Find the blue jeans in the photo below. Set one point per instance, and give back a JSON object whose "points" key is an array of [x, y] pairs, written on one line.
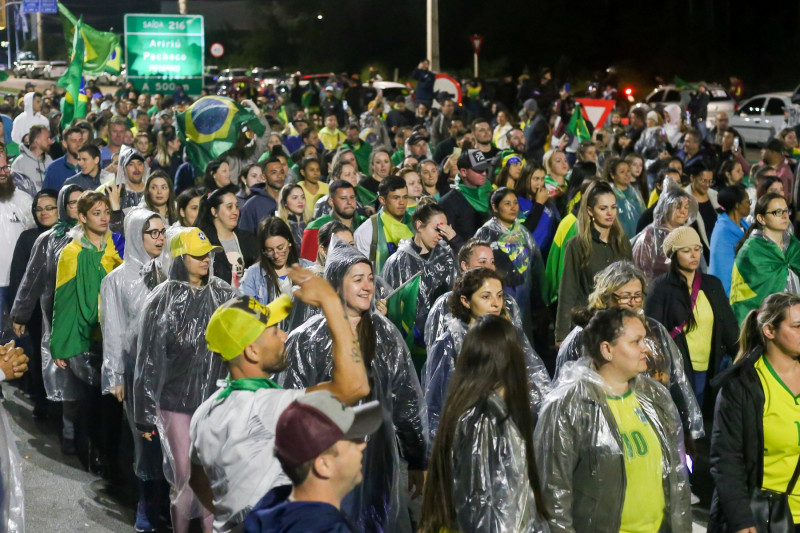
{"points": [[699, 385]]}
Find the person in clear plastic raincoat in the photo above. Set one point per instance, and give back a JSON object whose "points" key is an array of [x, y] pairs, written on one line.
{"points": [[609, 441], [482, 468], [122, 297], [12, 512], [39, 283], [621, 284], [675, 208], [428, 255], [375, 505], [478, 292], [475, 253], [128, 188], [175, 372], [516, 255], [268, 278]]}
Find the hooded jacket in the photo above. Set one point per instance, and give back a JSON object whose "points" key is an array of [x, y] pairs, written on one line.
{"points": [[26, 120], [128, 199], [122, 296], [31, 166], [258, 206], [174, 369], [38, 284], [581, 456], [374, 504]]}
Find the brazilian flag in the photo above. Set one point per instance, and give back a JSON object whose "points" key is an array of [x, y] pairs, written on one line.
{"points": [[102, 48], [567, 229], [365, 196], [577, 125], [212, 125], [760, 269], [402, 312], [73, 105]]}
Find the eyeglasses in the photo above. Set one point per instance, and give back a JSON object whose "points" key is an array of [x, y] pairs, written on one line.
{"points": [[72, 203], [155, 233], [705, 182], [778, 212], [5, 169], [48, 209], [628, 298]]}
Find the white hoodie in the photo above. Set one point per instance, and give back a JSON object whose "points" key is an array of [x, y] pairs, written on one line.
{"points": [[31, 166], [27, 119]]}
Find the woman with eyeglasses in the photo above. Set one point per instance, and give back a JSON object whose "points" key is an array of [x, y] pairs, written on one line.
{"points": [[122, 297], [45, 214], [768, 258], [621, 284], [694, 308], [268, 278]]}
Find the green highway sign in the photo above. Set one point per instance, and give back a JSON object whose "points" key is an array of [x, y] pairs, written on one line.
{"points": [[162, 51]]}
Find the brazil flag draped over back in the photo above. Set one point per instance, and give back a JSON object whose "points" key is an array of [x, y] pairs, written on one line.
{"points": [[102, 48], [211, 126], [761, 269], [402, 311], [73, 105]]}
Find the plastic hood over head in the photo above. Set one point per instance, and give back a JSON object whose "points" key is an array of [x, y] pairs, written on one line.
{"points": [[671, 197], [126, 153], [341, 257], [63, 198], [135, 222]]}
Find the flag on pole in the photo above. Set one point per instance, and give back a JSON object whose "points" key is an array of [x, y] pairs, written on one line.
{"points": [[212, 125], [73, 105], [102, 48], [401, 308], [577, 124]]}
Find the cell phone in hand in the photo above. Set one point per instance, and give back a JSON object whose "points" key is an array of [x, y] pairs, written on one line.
{"points": [[736, 144]]}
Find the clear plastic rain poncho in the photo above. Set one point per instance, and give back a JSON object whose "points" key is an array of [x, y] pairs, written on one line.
{"points": [[375, 504], [580, 453], [648, 254], [664, 364], [122, 297], [492, 495], [12, 512], [128, 199], [441, 363], [439, 273], [39, 283], [520, 261], [174, 370]]}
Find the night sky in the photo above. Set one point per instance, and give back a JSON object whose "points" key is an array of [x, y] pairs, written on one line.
{"points": [[694, 39]]}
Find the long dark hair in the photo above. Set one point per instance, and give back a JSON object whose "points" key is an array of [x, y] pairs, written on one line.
{"points": [[523, 185], [274, 227], [582, 171], [761, 209], [466, 286], [491, 358], [208, 178], [205, 218], [185, 198], [617, 239], [172, 211], [641, 180]]}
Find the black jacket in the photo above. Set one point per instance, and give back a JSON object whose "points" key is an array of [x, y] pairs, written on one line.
{"points": [[737, 444], [247, 243], [668, 301], [462, 216]]}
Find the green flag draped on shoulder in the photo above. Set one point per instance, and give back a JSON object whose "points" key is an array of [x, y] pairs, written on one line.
{"points": [[567, 229], [73, 105], [402, 311], [102, 48], [212, 125], [760, 269], [577, 125]]}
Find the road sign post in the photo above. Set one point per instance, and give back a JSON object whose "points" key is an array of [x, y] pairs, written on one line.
{"points": [[163, 51]]}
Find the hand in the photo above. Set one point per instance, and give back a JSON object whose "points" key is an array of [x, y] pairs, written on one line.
{"points": [[447, 232], [62, 364], [113, 191], [119, 392], [148, 436], [13, 361], [416, 482], [380, 305], [624, 141], [313, 290], [19, 329], [369, 210], [542, 195], [421, 64]]}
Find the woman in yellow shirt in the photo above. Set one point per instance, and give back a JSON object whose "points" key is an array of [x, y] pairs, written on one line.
{"points": [[755, 444]]}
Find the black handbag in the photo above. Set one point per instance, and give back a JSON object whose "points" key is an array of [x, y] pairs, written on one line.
{"points": [[771, 509]]}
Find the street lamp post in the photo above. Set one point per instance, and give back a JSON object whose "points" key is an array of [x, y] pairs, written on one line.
{"points": [[432, 27]]}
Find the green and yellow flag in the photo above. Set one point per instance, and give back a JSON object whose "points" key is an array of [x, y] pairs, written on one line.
{"points": [[402, 311], [567, 229], [73, 105], [760, 269], [577, 125], [102, 49]]}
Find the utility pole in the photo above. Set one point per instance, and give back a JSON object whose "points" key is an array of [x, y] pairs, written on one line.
{"points": [[433, 33], [40, 35], [182, 7]]}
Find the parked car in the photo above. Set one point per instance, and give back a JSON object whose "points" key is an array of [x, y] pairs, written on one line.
{"points": [[245, 86], [231, 73], [665, 95], [760, 117], [55, 70], [391, 90], [36, 69]]}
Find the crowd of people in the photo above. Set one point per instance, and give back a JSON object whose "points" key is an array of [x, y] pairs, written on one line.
{"points": [[419, 315]]}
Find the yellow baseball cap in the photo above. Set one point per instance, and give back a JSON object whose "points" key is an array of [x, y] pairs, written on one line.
{"points": [[191, 241], [240, 321]]}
